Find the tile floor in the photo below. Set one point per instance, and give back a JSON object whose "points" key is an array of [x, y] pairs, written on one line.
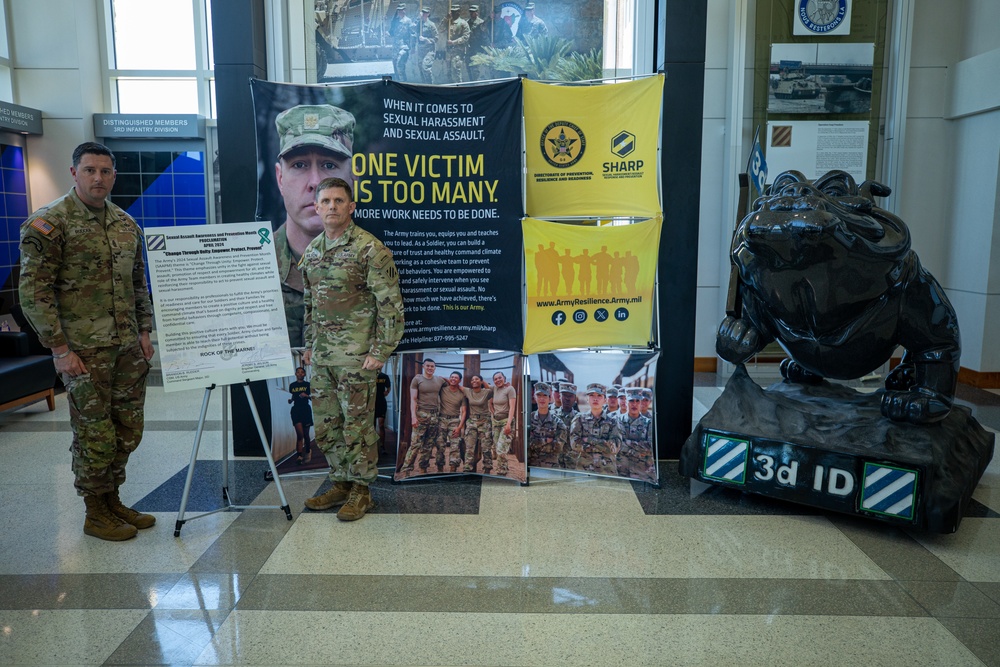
{"points": [[569, 570]]}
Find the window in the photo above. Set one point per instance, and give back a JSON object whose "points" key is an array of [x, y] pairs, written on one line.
{"points": [[160, 56]]}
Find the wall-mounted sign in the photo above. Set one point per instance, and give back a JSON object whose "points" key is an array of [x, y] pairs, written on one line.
{"points": [[20, 119], [149, 126]]}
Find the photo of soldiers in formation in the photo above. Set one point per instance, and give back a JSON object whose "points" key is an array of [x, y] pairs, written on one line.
{"points": [[603, 429], [461, 421], [442, 37], [584, 274]]}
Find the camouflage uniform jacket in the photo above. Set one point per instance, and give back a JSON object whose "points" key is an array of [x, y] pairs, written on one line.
{"points": [[478, 35], [291, 286], [353, 306], [459, 32], [402, 30], [427, 37], [83, 283], [589, 435], [548, 441]]}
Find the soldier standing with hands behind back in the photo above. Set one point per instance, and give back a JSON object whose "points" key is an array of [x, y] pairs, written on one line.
{"points": [[354, 320], [83, 289]]}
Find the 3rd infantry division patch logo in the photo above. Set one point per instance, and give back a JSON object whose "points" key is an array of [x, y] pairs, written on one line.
{"points": [[563, 144]]}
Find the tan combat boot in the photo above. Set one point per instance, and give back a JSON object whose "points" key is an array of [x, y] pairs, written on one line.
{"points": [[359, 502], [127, 514], [101, 523], [335, 495]]}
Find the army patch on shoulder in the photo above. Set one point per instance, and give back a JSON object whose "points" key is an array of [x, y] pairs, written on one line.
{"points": [[41, 225], [382, 262]]}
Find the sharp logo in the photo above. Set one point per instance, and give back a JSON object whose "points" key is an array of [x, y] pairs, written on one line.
{"points": [[623, 144]]}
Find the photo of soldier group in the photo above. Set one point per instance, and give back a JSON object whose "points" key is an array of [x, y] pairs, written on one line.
{"points": [[441, 41], [461, 413], [592, 412]]}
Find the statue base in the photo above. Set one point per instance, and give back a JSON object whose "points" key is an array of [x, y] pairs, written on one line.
{"points": [[828, 446]]}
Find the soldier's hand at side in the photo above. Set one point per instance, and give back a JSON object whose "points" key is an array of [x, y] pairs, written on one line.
{"points": [[146, 345], [71, 365], [371, 363], [307, 358]]}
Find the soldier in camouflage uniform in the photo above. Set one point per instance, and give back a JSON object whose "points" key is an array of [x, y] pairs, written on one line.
{"points": [[647, 400], [622, 402], [531, 25], [548, 437], [427, 36], [353, 322], [479, 427], [451, 423], [567, 410], [479, 37], [403, 30], [316, 142], [458, 45], [83, 289], [503, 405], [594, 438], [425, 408], [611, 408], [635, 460]]}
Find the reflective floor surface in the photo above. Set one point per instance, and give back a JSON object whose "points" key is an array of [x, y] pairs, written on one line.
{"points": [[568, 570]]}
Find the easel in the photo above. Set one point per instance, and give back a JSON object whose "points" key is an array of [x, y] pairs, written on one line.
{"points": [[225, 461]]}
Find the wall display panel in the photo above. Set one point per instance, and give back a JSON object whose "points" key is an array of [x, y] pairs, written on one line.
{"points": [[592, 150], [589, 286], [603, 402], [13, 211], [365, 39], [842, 100], [436, 177], [461, 413]]}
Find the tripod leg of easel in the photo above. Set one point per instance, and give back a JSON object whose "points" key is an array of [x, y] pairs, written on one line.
{"points": [[267, 451], [194, 458], [225, 443]]}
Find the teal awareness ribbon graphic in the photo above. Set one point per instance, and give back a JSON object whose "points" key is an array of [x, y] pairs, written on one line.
{"points": [[264, 233]]}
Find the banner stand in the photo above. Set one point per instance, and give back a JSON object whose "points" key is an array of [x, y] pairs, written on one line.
{"points": [[225, 462]]}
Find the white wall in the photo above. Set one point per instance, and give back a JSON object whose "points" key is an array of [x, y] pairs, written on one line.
{"points": [[57, 69], [951, 164]]}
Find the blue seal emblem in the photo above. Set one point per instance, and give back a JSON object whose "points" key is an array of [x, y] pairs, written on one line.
{"points": [[822, 16]]}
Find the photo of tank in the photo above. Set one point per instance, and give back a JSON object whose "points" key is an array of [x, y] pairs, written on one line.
{"points": [[820, 78]]}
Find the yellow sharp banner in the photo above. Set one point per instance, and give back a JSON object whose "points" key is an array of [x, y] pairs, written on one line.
{"points": [[589, 286], [591, 150]]}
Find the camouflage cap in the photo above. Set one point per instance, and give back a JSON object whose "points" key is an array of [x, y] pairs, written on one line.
{"points": [[320, 125], [647, 393], [567, 388], [596, 388], [455, 8], [529, 7], [401, 5], [473, 8], [543, 388], [425, 10], [634, 393], [612, 392]]}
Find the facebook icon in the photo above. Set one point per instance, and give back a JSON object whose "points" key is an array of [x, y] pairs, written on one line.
{"points": [[558, 318]]}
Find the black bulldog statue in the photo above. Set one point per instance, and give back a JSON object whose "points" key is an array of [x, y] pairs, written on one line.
{"points": [[831, 276]]}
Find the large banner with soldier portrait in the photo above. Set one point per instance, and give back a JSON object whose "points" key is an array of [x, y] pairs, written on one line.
{"points": [[437, 178], [593, 412]]}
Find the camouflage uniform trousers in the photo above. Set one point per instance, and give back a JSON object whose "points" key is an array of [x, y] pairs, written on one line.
{"points": [[478, 429], [423, 438], [635, 461], [106, 413], [343, 401], [597, 457], [456, 61], [427, 67], [501, 444], [449, 445], [399, 62]]}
